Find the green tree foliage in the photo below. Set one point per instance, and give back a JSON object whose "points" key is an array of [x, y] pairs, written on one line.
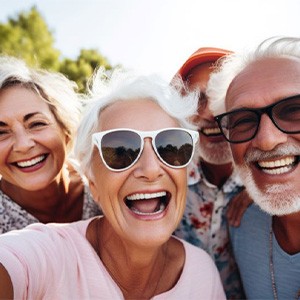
{"points": [[27, 36], [81, 69]]}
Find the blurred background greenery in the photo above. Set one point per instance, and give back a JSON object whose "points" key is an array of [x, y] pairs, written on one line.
{"points": [[27, 36]]}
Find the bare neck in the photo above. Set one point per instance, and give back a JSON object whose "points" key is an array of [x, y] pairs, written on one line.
{"points": [[52, 203], [139, 272], [287, 231], [216, 174]]}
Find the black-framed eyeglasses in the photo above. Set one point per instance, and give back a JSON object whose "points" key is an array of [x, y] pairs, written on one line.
{"points": [[121, 148], [242, 125]]}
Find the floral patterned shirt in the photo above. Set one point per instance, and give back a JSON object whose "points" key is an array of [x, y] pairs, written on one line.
{"points": [[13, 216], [204, 224]]}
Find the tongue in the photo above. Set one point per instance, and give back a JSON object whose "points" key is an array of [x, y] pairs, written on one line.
{"points": [[145, 206]]}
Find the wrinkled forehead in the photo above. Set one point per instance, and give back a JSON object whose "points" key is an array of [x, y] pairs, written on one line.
{"points": [[264, 82]]}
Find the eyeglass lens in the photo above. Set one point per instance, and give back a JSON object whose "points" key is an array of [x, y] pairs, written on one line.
{"points": [[287, 115], [120, 149], [175, 147], [243, 125]]}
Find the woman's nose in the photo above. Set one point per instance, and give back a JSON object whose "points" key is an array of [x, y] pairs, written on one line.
{"points": [[23, 141], [148, 166]]}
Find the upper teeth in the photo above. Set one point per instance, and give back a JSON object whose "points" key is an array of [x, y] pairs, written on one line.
{"points": [[208, 131], [146, 196], [278, 166], [277, 163], [31, 162]]}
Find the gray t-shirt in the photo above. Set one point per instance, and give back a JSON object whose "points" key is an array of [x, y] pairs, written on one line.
{"points": [[251, 245]]}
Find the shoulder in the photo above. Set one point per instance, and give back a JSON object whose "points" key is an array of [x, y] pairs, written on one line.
{"points": [[253, 212], [42, 255], [254, 228], [195, 256], [37, 235], [38, 243], [199, 276], [77, 228]]}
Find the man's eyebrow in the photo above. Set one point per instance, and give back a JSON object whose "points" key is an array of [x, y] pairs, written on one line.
{"points": [[2, 124]]}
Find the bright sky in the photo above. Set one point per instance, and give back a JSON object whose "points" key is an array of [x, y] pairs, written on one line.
{"points": [[159, 35]]}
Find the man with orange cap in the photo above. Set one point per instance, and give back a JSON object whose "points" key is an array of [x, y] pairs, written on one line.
{"points": [[212, 182]]}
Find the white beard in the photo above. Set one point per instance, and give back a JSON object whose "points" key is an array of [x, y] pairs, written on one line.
{"points": [[215, 153], [276, 199]]}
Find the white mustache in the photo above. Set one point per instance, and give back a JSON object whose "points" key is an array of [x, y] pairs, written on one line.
{"points": [[253, 155], [204, 123]]}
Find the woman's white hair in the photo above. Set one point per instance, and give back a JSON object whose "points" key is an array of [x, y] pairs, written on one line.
{"points": [[126, 86], [230, 66], [54, 88]]}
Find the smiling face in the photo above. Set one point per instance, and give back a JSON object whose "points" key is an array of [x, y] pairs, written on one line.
{"points": [[213, 146], [269, 163], [32, 145], [143, 222]]}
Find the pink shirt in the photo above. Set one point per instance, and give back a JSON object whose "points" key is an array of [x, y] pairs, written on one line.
{"points": [[56, 261]]}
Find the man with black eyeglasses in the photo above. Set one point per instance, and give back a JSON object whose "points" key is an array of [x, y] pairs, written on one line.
{"points": [[256, 100]]}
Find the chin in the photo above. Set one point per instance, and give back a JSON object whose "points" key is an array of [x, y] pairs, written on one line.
{"points": [[215, 156], [275, 199]]}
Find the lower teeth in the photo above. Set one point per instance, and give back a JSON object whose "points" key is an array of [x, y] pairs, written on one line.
{"points": [[161, 209]]}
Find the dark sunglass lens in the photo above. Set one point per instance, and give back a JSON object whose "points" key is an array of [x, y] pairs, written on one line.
{"points": [[240, 126], [175, 147], [120, 148], [286, 115]]}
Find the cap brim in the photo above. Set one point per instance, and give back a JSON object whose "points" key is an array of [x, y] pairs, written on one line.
{"points": [[201, 56]]}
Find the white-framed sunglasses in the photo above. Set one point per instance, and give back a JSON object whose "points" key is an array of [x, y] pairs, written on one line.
{"points": [[121, 148]]}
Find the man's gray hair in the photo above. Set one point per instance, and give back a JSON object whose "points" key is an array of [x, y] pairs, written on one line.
{"points": [[230, 66]]}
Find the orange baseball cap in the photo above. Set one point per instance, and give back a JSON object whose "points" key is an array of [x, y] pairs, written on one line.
{"points": [[202, 55]]}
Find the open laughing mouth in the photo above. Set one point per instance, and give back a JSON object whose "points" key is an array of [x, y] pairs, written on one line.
{"points": [[148, 204], [278, 166]]}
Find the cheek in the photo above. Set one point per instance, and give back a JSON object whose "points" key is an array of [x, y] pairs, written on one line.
{"points": [[100, 190], [97, 178], [238, 153], [180, 179], [105, 183], [55, 140], [5, 148], [181, 187]]}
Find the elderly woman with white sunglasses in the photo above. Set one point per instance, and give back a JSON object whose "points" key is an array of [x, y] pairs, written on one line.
{"points": [[134, 151]]}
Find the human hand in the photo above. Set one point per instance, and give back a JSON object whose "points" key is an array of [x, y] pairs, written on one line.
{"points": [[237, 207]]}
